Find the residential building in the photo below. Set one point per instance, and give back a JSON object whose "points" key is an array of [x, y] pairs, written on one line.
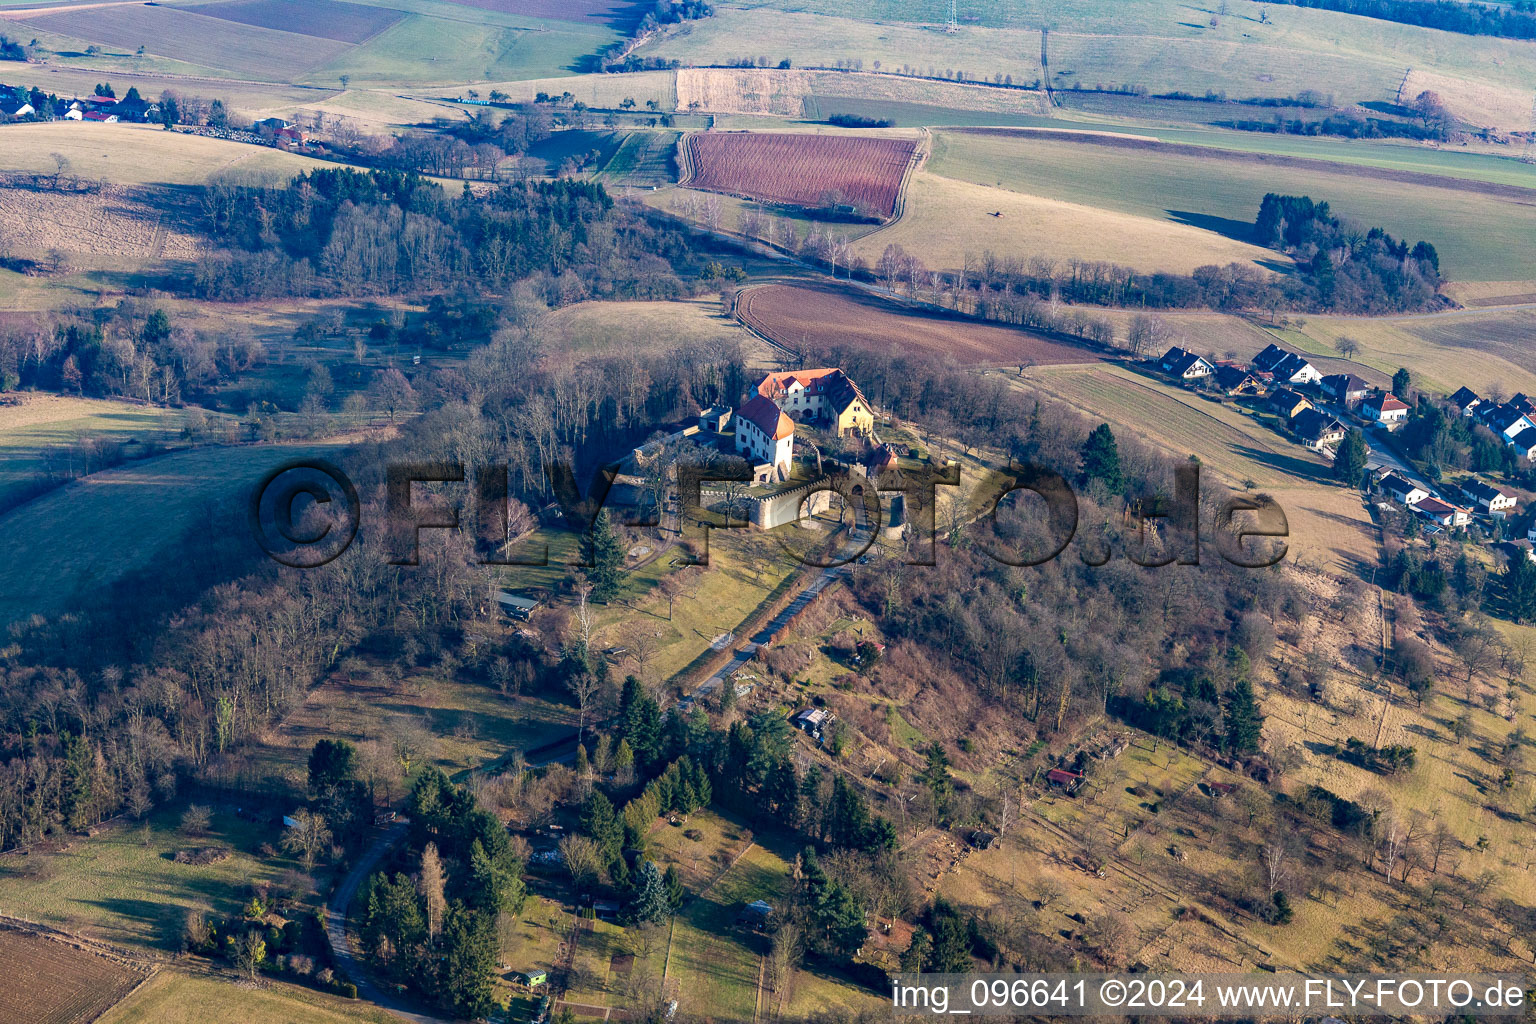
{"points": [[1344, 388], [1234, 380], [74, 114], [1505, 420], [812, 720], [1525, 443], [1403, 490], [768, 436], [18, 111], [1447, 515], [1288, 367], [1487, 498], [1466, 400], [101, 117], [1317, 429], [827, 396], [1385, 408], [1289, 403], [1185, 365]]}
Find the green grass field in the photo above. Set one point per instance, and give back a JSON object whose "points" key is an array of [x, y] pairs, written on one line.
{"points": [[36, 433], [89, 532], [1479, 236], [117, 888], [171, 997], [1160, 44]]}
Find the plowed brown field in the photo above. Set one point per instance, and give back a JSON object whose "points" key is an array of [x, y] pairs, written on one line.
{"points": [[792, 315], [802, 170], [48, 982]]}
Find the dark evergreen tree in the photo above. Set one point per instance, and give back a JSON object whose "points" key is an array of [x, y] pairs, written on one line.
{"points": [[936, 775], [1101, 458], [466, 962], [1244, 720], [1402, 380], [673, 880], [640, 723], [1349, 461], [604, 555], [649, 900], [601, 824], [951, 949], [1520, 588]]}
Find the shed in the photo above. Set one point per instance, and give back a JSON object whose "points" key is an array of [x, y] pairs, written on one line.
{"points": [[531, 978], [755, 915], [517, 605], [1063, 779]]}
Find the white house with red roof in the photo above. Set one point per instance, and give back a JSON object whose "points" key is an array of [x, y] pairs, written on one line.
{"points": [[1384, 407], [827, 394], [767, 437]]}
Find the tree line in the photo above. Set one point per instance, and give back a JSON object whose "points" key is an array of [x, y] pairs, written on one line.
{"points": [[1510, 21]]}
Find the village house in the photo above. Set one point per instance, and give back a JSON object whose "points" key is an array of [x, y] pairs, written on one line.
{"points": [[1505, 420], [812, 721], [1185, 365], [1288, 403], [1525, 443], [74, 114], [15, 111], [1487, 498], [1402, 489], [288, 138], [1288, 367], [1385, 408], [1466, 400], [1317, 429], [1234, 380], [1447, 515], [1344, 388], [768, 437], [100, 117], [826, 396]]}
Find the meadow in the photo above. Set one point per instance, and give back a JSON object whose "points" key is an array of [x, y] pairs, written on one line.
{"points": [[1166, 45], [327, 19], [35, 428], [944, 220], [128, 154], [174, 997], [88, 533], [122, 885], [224, 49], [586, 330], [1478, 234]]}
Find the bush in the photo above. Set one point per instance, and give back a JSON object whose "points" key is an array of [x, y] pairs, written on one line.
{"points": [[348, 990]]}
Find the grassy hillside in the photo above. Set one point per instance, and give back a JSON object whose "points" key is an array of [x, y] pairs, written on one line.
{"points": [[1480, 236], [171, 997], [1163, 45], [139, 154]]}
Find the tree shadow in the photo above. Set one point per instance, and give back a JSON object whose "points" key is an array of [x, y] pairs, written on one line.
{"points": [[1239, 230]]}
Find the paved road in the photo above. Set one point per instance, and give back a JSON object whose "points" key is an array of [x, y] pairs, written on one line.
{"points": [[343, 950], [744, 654]]}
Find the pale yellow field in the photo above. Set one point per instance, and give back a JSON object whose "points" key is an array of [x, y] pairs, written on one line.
{"points": [[596, 329], [946, 219], [1477, 349], [786, 92], [171, 997], [593, 90], [378, 110], [139, 154]]}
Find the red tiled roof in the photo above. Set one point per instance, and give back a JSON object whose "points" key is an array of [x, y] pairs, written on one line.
{"points": [[776, 383], [1062, 775], [765, 416]]}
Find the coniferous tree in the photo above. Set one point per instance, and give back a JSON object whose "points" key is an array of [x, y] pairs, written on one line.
{"points": [[601, 824], [467, 962], [1402, 380], [1349, 461], [649, 900], [604, 554], [1520, 588], [673, 880], [1245, 722], [1101, 458]]}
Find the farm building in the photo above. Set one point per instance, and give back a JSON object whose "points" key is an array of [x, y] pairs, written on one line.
{"points": [[768, 436], [1403, 490], [517, 605], [1487, 498], [1065, 780], [272, 124], [1184, 365], [1344, 388], [826, 396], [1384, 408], [1288, 403]]}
